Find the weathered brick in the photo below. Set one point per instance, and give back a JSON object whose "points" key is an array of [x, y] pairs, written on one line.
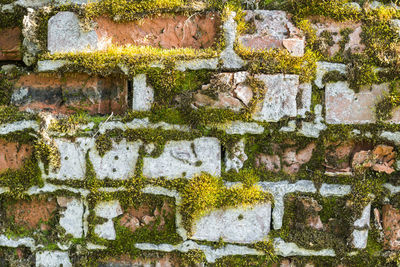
{"points": [[32, 214], [344, 106], [391, 227], [49, 92], [332, 34], [13, 155], [272, 29], [10, 44], [165, 31], [197, 31]]}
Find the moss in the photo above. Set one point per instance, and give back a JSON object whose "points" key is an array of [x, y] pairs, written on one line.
{"points": [[13, 18], [69, 124], [103, 144], [336, 9], [10, 114], [20, 180], [280, 61]]}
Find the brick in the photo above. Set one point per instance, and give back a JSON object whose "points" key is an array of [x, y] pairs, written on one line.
{"points": [[329, 32], [179, 31], [49, 92], [10, 44], [344, 106], [32, 214], [197, 31], [13, 155], [272, 29], [391, 227], [149, 216]]}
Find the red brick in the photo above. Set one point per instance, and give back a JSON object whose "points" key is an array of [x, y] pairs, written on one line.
{"points": [[166, 31], [56, 94], [13, 155], [10, 44]]}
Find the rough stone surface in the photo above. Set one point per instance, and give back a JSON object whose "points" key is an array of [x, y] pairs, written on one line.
{"points": [[305, 91], [52, 259], [197, 31], [324, 67], [66, 35], [331, 34], [272, 29], [143, 94], [72, 156], [51, 65], [72, 217], [291, 249], [344, 106], [185, 159], [391, 227], [338, 157], [237, 156], [229, 58], [13, 155], [239, 225], [239, 127], [107, 210], [119, 162], [10, 43], [229, 90], [280, 97]]}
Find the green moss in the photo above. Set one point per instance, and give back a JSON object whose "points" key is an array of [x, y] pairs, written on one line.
{"points": [[103, 144], [20, 180], [336, 9], [10, 114], [13, 18]]}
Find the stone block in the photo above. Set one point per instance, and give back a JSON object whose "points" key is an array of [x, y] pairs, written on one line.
{"points": [[165, 31], [280, 97], [344, 106], [332, 33], [71, 218], [143, 94], [272, 29], [72, 159], [52, 259], [65, 34], [107, 210], [185, 159], [119, 163], [237, 225], [10, 44], [49, 92]]}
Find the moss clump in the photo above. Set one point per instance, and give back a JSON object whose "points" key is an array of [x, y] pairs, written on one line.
{"points": [[20, 180], [69, 124], [13, 18], [10, 114], [336, 9], [125, 10], [103, 144], [384, 108], [205, 192], [280, 61]]}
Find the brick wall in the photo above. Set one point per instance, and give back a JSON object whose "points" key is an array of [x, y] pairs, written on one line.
{"points": [[199, 133]]}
